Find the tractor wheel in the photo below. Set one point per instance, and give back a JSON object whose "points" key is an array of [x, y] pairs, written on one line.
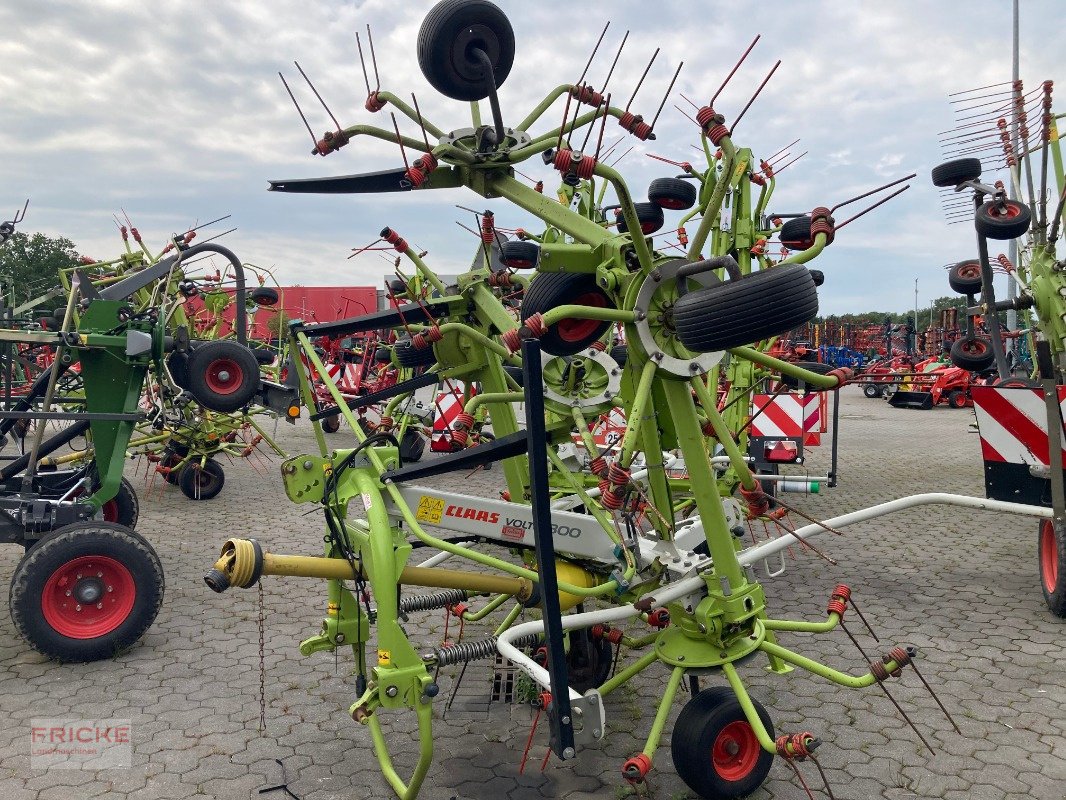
{"points": [[332, 424], [957, 398], [674, 194], [412, 446], [588, 662], [122, 509], [202, 483], [746, 310], [552, 289], [795, 234], [1002, 225], [520, 255], [965, 277], [1051, 552], [264, 296], [715, 749], [973, 354], [871, 390], [649, 215], [952, 173], [86, 591], [223, 376], [408, 356], [450, 32]]}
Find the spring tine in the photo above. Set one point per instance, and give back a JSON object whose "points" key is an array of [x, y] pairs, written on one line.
{"points": [[757, 91], [399, 140], [1054, 233], [212, 222], [934, 696], [626, 153], [373, 59], [733, 71], [864, 622], [803, 783], [566, 116], [980, 88], [362, 62], [782, 152], [875, 205], [688, 101], [979, 97], [21, 215], [298, 109], [313, 89], [689, 118], [782, 168], [603, 127], [421, 124], [642, 77], [465, 228], [611, 147], [570, 132], [588, 64], [665, 96], [617, 55], [218, 236], [872, 191]]}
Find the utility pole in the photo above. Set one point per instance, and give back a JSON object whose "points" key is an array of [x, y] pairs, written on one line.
{"points": [[1012, 284], [915, 316]]}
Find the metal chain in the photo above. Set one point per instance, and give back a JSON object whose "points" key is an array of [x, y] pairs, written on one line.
{"points": [[262, 665]]}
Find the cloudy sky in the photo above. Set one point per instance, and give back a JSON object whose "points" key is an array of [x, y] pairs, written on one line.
{"points": [[173, 111]]}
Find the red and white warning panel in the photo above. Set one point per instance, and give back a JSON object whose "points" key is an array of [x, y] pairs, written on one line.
{"points": [[446, 409], [1014, 442], [787, 416]]}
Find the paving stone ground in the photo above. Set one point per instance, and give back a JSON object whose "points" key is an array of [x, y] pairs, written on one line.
{"points": [[959, 585]]}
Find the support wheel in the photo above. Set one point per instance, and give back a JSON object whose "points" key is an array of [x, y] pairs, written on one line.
{"points": [[202, 483], [795, 234], [409, 356], [1002, 224], [952, 173], [672, 193], [649, 215], [973, 354], [715, 749], [86, 591], [122, 509], [746, 310], [552, 289], [332, 424], [1051, 552], [588, 662], [450, 33], [412, 446], [223, 376], [965, 277]]}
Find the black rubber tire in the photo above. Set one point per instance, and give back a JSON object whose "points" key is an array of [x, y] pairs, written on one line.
{"points": [[620, 354], [1051, 562], [332, 424], [872, 390], [264, 296], [649, 215], [811, 366], [122, 509], [82, 540], [397, 286], [818, 276], [551, 289], [178, 364], [449, 31], [223, 376], [749, 309], [991, 224], [965, 277], [795, 234], [588, 661], [952, 173], [1016, 383], [520, 255], [696, 754], [412, 446], [408, 356], [974, 354], [383, 355], [202, 483], [264, 356], [674, 194], [957, 398]]}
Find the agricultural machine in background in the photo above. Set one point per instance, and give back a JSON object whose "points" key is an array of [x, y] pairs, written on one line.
{"points": [[639, 544], [1020, 418]]}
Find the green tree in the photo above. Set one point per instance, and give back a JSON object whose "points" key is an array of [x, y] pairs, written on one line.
{"points": [[30, 264], [278, 325]]}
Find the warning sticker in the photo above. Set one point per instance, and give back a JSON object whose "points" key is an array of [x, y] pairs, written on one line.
{"points": [[384, 657], [430, 509]]}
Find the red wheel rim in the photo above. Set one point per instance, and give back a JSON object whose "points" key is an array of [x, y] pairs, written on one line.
{"points": [[670, 203], [735, 751], [1049, 556], [970, 270], [974, 347], [88, 597], [224, 376], [109, 510], [1009, 212], [575, 329]]}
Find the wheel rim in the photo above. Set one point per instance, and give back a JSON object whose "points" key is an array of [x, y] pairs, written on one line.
{"points": [[670, 203], [575, 329], [735, 751], [205, 480], [974, 347], [109, 510], [1010, 211], [224, 376], [971, 270], [1049, 556], [88, 597]]}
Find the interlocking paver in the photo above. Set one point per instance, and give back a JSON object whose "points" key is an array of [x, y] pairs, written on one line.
{"points": [[960, 585]]}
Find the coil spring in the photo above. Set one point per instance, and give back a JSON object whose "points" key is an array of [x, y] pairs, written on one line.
{"points": [[796, 746], [599, 466], [585, 94], [635, 125], [535, 325], [707, 116], [429, 602], [902, 658], [475, 650], [420, 169], [682, 236], [393, 238], [568, 161], [512, 340], [488, 229], [373, 103]]}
